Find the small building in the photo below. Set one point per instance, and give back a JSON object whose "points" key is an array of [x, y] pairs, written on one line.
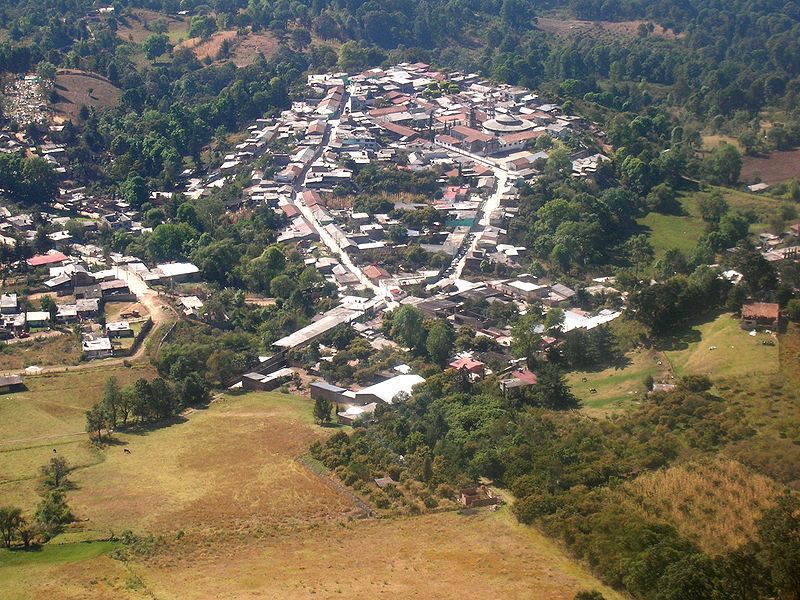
{"points": [[265, 383], [9, 304], [118, 329], [468, 364], [39, 318], [96, 346], [353, 413], [518, 378], [11, 383], [473, 497], [327, 391], [760, 314]]}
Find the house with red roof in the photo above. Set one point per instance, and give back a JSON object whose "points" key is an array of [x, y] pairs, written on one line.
{"points": [[51, 258], [469, 364]]}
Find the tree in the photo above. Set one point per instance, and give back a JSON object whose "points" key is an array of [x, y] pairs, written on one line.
{"points": [[55, 472], [527, 336], [282, 286], [407, 327], [134, 191], [551, 389], [111, 401], [724, 165], [779, 531], [590, 595], [11, 520], [322, 410], [439, 343], [53, 513], [96, 420], [713, 207], [155, 45], [793, 310]]}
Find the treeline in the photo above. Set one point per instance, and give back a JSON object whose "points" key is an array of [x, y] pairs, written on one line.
{"points": [[51, 514], [144, 401]]}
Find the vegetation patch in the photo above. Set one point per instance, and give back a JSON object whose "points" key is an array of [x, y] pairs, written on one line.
{"points": [[75, 89]]}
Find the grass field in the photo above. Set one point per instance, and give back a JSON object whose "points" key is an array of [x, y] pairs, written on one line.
{"points": [[237, 515], [715, 503], [569, 27], [79, 88], [683, 231], [50, 415], [616, 387], [719, 348], [138, 24], [671, 231], [209, 48]]}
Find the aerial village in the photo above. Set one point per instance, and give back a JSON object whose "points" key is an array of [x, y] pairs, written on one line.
{"points": [[481, 142]]}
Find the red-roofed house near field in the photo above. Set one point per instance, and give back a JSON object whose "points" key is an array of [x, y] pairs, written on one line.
{"points": [[51, 258], [760, 314], [469, 364]]}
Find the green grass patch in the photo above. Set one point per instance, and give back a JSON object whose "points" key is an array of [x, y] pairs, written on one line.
{"points": [[616, 386], [671, 231], [720, 348], [50, 554]]}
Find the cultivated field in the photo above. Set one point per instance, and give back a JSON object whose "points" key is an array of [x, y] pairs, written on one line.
{"points": [[566, 27], [136, 26], [720, 348], [778, 166], [80, 88], [237, 515], [715, 503]]}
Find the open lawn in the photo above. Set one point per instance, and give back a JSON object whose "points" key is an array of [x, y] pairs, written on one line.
{"points": [[237, 515], [763, 207], [79, 88], [672, 231], [50, 415], [720, 348], [570, 27], [617, 386], [209, 48]]}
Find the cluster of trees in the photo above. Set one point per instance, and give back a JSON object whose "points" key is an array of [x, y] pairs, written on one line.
{"points": [[28, 181], [51, 514], [434, 338], [144, 400], [563, 468]]}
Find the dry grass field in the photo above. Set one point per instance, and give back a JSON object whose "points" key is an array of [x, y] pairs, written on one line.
{"points": [[253, 44], [138, 24], [209, 48], [80, 88], [778, 166], [715, 503], [63, 349], [568, 27], [237, 515]]}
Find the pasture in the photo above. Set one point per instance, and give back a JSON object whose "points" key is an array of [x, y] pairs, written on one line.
{"points": [[52, 349], [137, 24], [616, 386], [570, 27], [50, 415], [719, 348], [672, 231]]}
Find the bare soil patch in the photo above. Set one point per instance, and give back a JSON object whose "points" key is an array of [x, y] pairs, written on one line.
{"points": [[253, 44], [777, 167], [81, 88]]}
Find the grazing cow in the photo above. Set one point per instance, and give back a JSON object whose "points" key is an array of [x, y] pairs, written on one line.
{"points": [[126, 451], [55, 451], [593, 391]]}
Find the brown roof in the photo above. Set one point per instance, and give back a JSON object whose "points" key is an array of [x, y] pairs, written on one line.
{"points": [[400, 130], [521, 136], [389, 110], [471, 135], [376, 272], [761, 310]]}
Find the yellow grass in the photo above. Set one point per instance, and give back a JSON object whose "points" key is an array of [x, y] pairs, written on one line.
{"points": [[715, 503], [238, 515], [64, 349]]}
